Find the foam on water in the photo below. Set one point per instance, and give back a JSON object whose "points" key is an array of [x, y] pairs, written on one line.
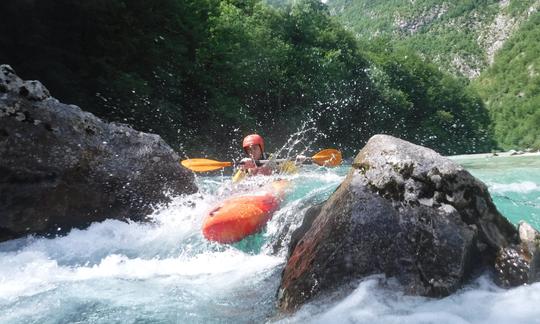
{"points": [[521, 187], [514, 183], [165, 271], [380, 300], [33, 272], [117, 266]]}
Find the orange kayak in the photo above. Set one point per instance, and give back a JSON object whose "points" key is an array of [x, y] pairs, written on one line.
{"points": [[238, 217]]}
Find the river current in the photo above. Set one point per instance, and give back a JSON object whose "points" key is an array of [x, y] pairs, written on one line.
{"points": [[166, 272]]}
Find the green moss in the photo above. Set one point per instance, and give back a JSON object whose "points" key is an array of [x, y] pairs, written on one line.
{"points": [[361, 167]]}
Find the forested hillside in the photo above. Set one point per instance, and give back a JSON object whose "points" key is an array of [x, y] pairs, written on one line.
{"points": [[204, 73], [512, 88], [494, 43], [460, 36]]}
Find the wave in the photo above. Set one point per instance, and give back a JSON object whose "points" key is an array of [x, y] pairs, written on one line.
{"points": [[380, 300], [520, 187]]}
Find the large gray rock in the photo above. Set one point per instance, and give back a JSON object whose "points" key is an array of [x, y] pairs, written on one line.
{"points": [[61, 167], [405, 211]]}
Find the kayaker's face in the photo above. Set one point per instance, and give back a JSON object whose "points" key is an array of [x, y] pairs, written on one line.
{"points": [[254, 152]]}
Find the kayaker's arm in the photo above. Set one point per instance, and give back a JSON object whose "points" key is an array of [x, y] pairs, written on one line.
{"points": [[263, 162], [302, 159], [255, 166]]}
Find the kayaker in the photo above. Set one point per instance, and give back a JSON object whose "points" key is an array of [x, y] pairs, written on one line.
{"points": [[253, 145]]}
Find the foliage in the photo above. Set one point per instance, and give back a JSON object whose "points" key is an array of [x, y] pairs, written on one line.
{"points": [[453, 35], [511, 88], [204, 73], [422, 97], [449, 33]]}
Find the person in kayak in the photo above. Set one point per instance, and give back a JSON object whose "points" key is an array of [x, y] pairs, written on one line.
{"points": [[253, 145]]}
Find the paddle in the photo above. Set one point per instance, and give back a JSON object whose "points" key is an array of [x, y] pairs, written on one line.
{"points": [[203, 165], [328, 157]]}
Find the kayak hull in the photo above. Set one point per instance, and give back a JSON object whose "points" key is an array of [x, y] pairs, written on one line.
{"points": [[238, 217]]}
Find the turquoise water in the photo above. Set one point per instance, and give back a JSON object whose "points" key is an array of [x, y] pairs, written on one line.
{"points": [[514, 184], [166, 272]]}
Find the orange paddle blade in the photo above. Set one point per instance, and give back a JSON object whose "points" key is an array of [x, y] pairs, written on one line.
{"points": [[328, 157], [203, 165]]}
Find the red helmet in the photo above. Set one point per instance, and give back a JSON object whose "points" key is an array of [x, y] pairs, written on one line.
{"points": [[253, 139]]}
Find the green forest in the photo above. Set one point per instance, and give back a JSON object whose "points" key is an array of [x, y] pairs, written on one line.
{"points": [[453, 34], [512, 89], [205, 73], [459, 37]]}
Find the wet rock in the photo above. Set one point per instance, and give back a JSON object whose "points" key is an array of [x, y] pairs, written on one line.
{"points": [[9, 81], [405, 211], [34, 90], [519, 264], [512, 266], [530, 241], [61, 167]]}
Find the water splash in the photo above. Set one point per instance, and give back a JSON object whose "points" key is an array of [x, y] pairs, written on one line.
{"points": [[165, 271], [380, 300], [520, 187]]}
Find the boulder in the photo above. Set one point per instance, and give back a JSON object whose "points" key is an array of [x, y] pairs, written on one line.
{"points": [[519, 264], [61, 167], [405, 211]]}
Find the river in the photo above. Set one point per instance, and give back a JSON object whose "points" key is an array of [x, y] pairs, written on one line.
{"points": [[166, 272]]}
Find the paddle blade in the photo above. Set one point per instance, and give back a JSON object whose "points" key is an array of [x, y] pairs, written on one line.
{"points": [[328, 157], [203, 165]]}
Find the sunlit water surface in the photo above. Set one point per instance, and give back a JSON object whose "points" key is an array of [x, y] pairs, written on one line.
{"points": [[166, 272]]}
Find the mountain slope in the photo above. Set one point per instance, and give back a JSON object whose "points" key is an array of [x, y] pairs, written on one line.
{"points": [[511, 88], [493, 43], [461, 36]]}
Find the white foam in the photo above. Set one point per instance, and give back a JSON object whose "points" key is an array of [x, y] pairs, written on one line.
{"points": [[323, 174], [520, 187], [136, 264], [171, 226], [170, 245], [30, 273], [481, 302]]}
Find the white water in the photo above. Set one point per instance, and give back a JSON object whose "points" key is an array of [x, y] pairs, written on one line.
{"points": [[520, 187], [378, 300], [115, 272]]}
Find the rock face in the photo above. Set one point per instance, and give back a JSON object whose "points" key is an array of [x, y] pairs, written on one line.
{"points": [[520, 263], [61, 167], [405, 211]]}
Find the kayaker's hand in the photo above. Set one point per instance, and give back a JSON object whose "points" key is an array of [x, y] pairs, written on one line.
{"points": [[301, 159], [247, 163]]}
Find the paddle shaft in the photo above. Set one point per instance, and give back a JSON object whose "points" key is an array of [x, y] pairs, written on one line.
{"points": [[259, 163], [326, 157]]}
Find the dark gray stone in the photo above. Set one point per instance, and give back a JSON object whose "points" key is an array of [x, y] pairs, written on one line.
{"points": [[405, 211], [61, 167], [519, 264]]}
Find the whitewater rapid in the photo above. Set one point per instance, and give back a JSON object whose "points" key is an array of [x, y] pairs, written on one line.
{"points": [[164, 271]]}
